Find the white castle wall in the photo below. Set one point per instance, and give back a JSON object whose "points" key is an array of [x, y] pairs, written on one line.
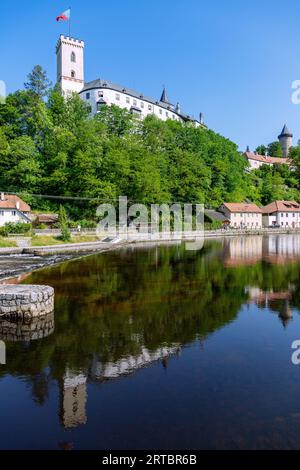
{"points": [[65, 47]]}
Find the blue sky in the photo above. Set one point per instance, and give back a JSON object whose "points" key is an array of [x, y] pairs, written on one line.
{"points": [[233, 60]]}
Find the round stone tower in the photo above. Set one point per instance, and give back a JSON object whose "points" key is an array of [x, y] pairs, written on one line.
{"points": [[286, 141]]}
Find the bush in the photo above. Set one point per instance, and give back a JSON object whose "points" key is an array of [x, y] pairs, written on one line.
{"points": [[11, 228]]}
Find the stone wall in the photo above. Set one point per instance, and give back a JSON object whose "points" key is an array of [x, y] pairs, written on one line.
{"points": [[25, 301]]}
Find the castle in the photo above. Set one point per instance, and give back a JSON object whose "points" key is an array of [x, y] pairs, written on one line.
{"points": [[286, 141], [100, 92]]}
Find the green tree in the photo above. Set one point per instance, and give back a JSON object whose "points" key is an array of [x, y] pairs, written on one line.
{"points": [[63, 224], [38, 82], [275, 150]]}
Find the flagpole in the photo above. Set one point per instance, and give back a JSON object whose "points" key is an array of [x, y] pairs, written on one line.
{"points": [[70, 23]]}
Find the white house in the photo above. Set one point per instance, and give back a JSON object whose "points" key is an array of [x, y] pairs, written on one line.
{"points": [[255, 160], [242, 215], [13, 209], [282, 213], [100, 92]]}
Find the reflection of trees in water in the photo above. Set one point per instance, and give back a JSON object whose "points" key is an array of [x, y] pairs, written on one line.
{"points": [[115, 304]]}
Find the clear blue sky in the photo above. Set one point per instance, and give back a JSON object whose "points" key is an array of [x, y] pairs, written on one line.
{"points": [[233, 60]]}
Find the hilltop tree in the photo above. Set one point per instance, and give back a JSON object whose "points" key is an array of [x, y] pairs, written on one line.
{"points": [[38, 82], [275, 150]]}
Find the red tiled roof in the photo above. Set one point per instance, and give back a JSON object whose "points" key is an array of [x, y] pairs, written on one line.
{"points": [[47, 218], [281, 206], [268, 160], [241, 207], [10, 202]]}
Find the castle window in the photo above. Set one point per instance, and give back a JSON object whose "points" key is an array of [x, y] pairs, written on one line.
{"points": [[149, 107], [142, 104], [100, 94], [134, 103], [160, 111], [117, 96], [73, 57], [167, 114], [127, 99], [73, 74], [88, 95]]}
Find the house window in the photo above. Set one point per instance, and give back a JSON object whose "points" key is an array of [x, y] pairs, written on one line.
{"points": [[88, 95], [281, 214], [167, 114], [160, 111], [142, 104], [117, 96], [127, 100], [13, 213], [73, 57], [134, 103], [149, 107], [73, 74], [1, 213], [294, 215]]}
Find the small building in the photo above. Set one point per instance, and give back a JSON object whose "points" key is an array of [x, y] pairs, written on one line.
{"points": [[256, 161], [13, 210], [49, 220], [281, 213], [211, 216], [242, 215]]}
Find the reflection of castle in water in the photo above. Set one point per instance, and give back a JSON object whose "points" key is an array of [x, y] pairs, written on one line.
{"points": [[273, 249], [73, 388], [128, 365], [31, 330], [279, 302], [73, 399]]}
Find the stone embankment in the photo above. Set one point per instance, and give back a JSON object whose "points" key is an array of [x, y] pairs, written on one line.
{"points": [[25, 301]]}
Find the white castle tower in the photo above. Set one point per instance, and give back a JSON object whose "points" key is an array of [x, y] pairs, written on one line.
{"points": [[70, 65]]}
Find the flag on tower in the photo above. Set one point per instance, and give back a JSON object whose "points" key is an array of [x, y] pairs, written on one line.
{"points": [[65, 16]]}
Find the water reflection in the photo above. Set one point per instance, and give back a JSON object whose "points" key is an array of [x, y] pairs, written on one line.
{"points": [[118, 313], [14, 329], [73, 399], [273, 249]]}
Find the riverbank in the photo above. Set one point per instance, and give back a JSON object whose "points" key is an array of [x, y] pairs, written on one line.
{"points": [[16, 262]]}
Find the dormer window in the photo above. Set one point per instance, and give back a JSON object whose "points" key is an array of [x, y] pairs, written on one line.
{"points": [[73, 57], [73, 74]]}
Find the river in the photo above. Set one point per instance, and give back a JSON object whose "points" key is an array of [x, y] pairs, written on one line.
{"points": [[160, 348]]}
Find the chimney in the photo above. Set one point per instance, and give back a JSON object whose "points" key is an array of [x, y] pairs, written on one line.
{"points": [[2, 197], [18, 205]]}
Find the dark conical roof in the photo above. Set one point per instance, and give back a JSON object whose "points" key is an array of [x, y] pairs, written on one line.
{"points": [[285, 132], [164, 97]]}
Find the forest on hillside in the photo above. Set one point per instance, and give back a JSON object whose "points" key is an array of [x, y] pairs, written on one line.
{"points": [[51, 146]]}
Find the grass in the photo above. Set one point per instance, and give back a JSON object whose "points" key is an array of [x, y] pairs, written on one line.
{"points": [[7, 243], [47, 240]]}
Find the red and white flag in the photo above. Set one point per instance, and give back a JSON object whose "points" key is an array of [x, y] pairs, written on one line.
{"points": [[65, 16]]}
